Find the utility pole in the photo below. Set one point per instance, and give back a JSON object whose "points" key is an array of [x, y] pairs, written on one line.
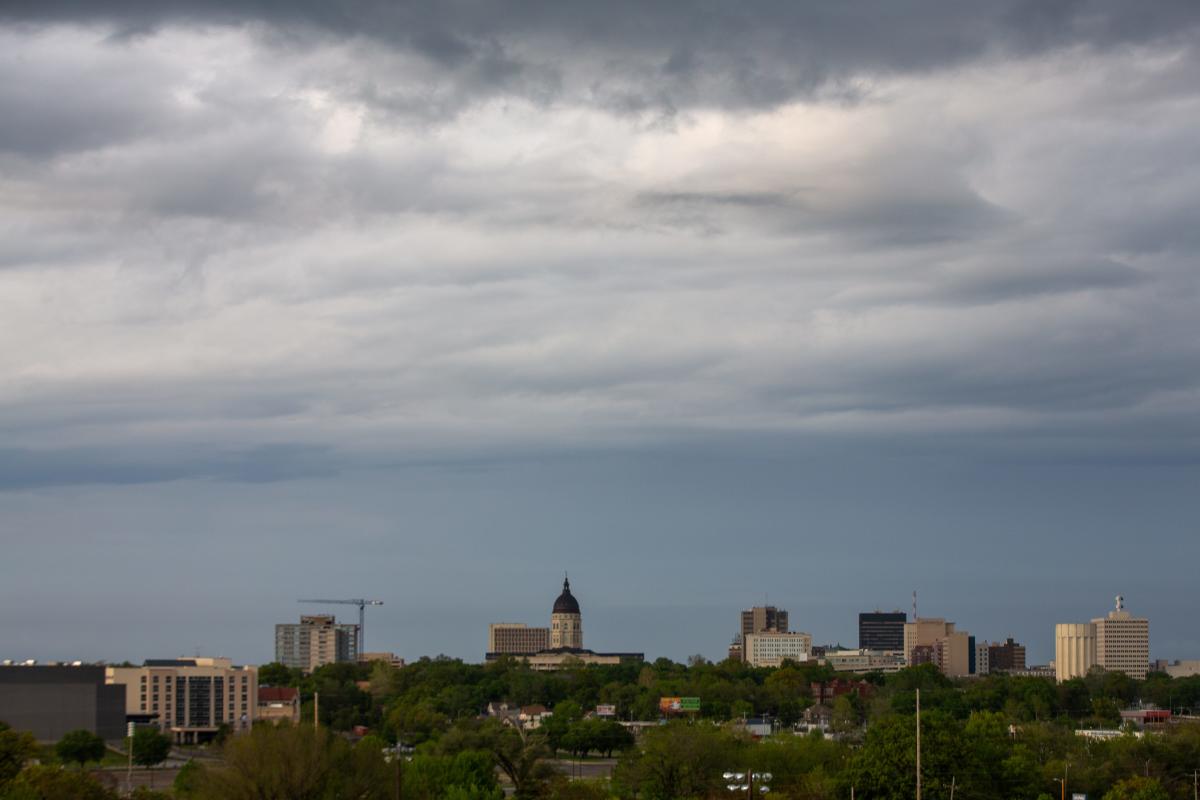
{"points": [[918, 731], [129, 771], [316, 705], [953, 781]]}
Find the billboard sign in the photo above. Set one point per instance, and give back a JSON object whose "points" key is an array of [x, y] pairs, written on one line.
{"points": [[677, 705], [606, 711]]}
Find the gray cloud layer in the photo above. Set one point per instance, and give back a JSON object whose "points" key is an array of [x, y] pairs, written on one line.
{"points": [[261, 250]]}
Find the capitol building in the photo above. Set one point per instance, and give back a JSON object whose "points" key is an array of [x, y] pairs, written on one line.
{"points": [[555, 647]]}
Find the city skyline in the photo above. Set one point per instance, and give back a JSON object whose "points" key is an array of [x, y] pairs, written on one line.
{"points": [[1039, 656], [430, 301]]}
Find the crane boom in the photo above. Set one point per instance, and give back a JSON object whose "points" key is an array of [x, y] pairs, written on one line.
{"points": [[362, 615]]}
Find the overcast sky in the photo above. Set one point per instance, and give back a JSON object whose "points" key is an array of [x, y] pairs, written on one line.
{"points": [[704, 303]]}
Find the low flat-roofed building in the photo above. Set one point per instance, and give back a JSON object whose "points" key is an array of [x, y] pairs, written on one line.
{"points": [[388, 658], [566, 657], [865, 660], [190, 698], [278, 704], [49, 701], [1179, 669]]}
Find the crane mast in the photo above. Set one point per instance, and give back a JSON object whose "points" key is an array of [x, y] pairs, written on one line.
{"points": [[362, 615]]}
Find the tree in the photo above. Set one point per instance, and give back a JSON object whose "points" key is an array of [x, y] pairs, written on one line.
{"points": [[80, 747], [189, 780], [520, 755], [1137, 788], [16, 748], [50, 783], [298, 763], [276, 674], [679, 760], [150, 748]]}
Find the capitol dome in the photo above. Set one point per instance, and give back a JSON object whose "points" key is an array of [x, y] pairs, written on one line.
{"points": [[566, 602]]}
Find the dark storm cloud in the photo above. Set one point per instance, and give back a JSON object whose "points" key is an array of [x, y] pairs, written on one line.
{"points": [[634, 56], [437, 286]]}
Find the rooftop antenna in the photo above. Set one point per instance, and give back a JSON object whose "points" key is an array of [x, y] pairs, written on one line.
{"points": [[915, 617]]}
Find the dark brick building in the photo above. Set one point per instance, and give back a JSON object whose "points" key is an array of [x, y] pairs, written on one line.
{"points": [[1006, 657], [49, 701]]}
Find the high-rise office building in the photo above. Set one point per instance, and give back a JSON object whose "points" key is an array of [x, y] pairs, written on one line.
{"points": [[764, 619], [1006, 657], [517, 638], [317, 640], [1123, 642], [881, 630], [1119, 642]]}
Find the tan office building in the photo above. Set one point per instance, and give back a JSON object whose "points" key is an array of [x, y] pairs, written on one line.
{"points": [[772, 649], [763, 619], [1074, 650], [516, 638], [950, 649], [1123, 642], [190, 698]]}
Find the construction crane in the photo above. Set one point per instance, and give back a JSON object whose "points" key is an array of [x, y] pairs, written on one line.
{"points": [[362, 615]]}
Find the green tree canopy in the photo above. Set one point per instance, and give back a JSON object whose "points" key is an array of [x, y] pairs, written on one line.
{"points": [[80, 747], [150, 747], [16, 749]]}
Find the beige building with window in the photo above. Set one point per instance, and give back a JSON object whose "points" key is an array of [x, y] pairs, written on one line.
{"points": [[1119, 642], [1123, 642], [517, 638], [190, 698], [950, 648], [772, 649]]}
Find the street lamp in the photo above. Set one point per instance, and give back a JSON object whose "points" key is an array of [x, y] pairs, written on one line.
{"points": [[745, 782]]}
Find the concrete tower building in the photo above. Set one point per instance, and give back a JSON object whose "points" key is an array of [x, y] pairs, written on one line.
{"points": [[1074, 650], [566, 623]]}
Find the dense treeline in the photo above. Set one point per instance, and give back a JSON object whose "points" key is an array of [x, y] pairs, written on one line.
{"points": [[995, 737], [426, 697]]}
